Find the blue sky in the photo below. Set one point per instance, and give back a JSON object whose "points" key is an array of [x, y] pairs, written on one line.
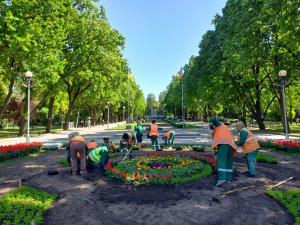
{"points": [[161, 35]]}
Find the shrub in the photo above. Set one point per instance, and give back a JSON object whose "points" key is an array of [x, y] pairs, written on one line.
{"points": [[198, 148]]}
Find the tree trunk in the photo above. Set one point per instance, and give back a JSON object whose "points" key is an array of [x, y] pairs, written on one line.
{"points": [[291, 116], [205, 114], [77, 119], [7, 99], [22, 128], [49, 122], [67, 118]]}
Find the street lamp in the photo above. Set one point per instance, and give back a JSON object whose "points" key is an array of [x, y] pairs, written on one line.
{"points": [[282, 74], [175, 114], [183, 115], [200, 101], [108, 114], [123, 114], [28, 76]]}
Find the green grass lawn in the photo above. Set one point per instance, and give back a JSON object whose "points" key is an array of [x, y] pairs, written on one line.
{"points": [[295, 129], [124, 127], [10, 132]]}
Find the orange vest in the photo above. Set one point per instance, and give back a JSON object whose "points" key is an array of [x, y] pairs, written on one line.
{"points": [[153, 130], [130, 140], [222, 135], [79, 138], [250, 144], [168, 135], [93, 145], [297, 120]]}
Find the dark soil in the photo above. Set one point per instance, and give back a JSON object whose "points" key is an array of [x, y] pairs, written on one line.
{"points": [[95, 198]]}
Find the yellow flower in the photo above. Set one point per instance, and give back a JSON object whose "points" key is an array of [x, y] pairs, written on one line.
{"points": [[185, 168], [169, 167], [139, 168]]}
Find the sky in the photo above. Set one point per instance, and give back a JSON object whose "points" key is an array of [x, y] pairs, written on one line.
{"points": [[161, 35]]}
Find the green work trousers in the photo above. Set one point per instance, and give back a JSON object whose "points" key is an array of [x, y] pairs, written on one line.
{"points": [[225, 162], [171, 140], [250, 160], [125, 149], [155, 144]]}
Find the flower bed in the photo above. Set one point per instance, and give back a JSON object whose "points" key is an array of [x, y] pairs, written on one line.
{"points": [[289, 199], [164, 168], [265, 158], [281, 145], [24, 205], [18, 150], [195, 147]]}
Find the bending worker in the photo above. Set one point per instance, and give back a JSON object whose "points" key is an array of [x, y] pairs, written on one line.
{"points": [[78, 145], [126, 144], [169, 138], [223, 140], [250, 147], [153, 134], [100, 155]]}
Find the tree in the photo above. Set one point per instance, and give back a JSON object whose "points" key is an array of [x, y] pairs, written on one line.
{"points": [[151, 101]]}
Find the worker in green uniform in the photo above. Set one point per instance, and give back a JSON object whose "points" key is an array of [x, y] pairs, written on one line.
{"points": [[226, 149], [138, 133], [100, 155], [250, 147], [169, 138]]}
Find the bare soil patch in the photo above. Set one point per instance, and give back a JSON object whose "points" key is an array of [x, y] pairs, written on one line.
{"points": [[97, 199]]}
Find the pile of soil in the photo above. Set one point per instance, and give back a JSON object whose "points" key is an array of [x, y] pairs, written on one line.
{"points": [[95, 198]]}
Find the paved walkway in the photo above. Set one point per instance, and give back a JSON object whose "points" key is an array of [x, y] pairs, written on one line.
{"points": [[97, 133]]}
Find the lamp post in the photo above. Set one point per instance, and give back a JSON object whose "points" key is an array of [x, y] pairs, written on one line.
{"points": [[282, 74], [108, 114], [28, 76], [183, 115], [123, 115], [200, 101], [175, 114]]}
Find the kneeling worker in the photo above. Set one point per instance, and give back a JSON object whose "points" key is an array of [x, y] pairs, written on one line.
{"points": [[126, 144], [169, 138], [250, 147], [101, 155]]}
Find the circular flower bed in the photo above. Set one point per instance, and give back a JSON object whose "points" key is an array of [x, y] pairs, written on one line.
{"points": [[164, 168]]}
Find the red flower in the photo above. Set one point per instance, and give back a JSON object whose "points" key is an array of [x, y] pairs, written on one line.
{"points": [[214, 161], [162, 153], [113, 170], [166, 153], [185, 153], [118, 171], [154, 153], [156, 175], [122, 174], [172, 153], [204, 157], [148, 153], [150, 176], [170, 175], [133, 176], [181, 153], [157, 153], [190, 155], [176, 152], [110, 162], [208, 158], [144, 176], [138, 176], [195, 156], [126, 176], [163, 176]]}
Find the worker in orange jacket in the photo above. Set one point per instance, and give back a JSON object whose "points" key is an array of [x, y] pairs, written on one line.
{"points": [[297, 121], [153, 134], [226, 149], [169, 138]]}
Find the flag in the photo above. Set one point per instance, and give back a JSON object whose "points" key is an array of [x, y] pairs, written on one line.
{"points": [[180, 73], [130, 76]]}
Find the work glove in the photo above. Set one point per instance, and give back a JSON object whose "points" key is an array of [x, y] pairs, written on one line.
{"points": [[103, 166], [95, 165]]}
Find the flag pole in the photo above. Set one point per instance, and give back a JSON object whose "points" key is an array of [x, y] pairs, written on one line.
{"points": [[182, 103], [128, 97]]}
